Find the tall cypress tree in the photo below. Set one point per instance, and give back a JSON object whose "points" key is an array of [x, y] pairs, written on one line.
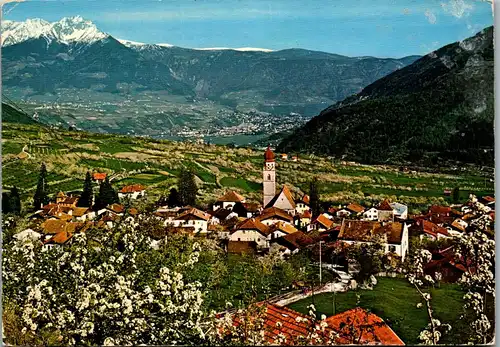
{"points": [[187, 188], [173, 198], [41, 197], [314, 199], [107, 195], [15, 201], [86, 198], [6, 203]]}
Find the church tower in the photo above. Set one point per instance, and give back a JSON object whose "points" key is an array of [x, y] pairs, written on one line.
{"points": [[269, 178]]}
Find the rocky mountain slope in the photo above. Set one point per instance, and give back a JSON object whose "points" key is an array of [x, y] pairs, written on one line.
{"points": [[441, 107]]}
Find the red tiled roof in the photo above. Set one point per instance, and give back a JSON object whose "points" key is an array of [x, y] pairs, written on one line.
{"points": [[116, 208], [60, 238], [306, 199], [306, 214], [367, 327], [99, 176], [253, 224], [231, 196], [193, 213], [435, 209], [295, 240], [132, 188], [323, 220], [384, 206], [355, 208], [433, 229], [488, 198], [271, 212], [284, 227], [360, 230], [242, 247]]}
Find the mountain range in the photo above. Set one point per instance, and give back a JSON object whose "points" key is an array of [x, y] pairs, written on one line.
{"points": [[438, 109], [42, 60]]}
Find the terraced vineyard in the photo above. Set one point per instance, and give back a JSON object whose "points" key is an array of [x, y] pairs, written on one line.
{"points": [[155, 163]]}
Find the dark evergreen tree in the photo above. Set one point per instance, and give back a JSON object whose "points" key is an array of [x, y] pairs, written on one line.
{"points": [[14, 201], [86, 198], [6, 203], [314, 201], [41, 197], [107, 195], [455, 194], [173, 198], [187, 188]]}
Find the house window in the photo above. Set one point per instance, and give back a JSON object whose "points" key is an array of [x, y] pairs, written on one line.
{"points": [[392, 249], [268, 177], [239, 239]]}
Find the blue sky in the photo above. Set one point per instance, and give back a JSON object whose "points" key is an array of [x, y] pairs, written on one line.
{"points": [[383, 28]]}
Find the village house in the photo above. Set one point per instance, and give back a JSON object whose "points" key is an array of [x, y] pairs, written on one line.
{"points": [[242, 247], [302, 205], [246, 209], [284, 156], [280, 229], [292, 243], [134, 191], [444, 262], [228, 200], [429, 230], [273, 215], [303, 219], [220, 215], [192, 218], [393, 234], [61, 238], [66, 201], [99, 177], [370, 214], [355, 209], [82, 214], [283, 200], [385, 212], [251, 230], [321, 223], [400, 210]]}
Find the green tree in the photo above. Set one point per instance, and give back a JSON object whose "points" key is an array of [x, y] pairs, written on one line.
{"points": [[314, 201], [86, 198], [6, 203], [41, 197], [15, 201], [173, 198], [107, 195], [187, 188], [455, 194]]}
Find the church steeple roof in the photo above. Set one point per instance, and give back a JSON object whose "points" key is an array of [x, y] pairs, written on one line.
{"points": [[268, 155]]}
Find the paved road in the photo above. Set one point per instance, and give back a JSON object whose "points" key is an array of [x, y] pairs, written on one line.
{"points": [[296, 295]]}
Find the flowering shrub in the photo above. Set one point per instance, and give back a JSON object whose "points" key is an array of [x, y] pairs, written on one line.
{"points": [[415, 275], [111, 289], [476, 251]]}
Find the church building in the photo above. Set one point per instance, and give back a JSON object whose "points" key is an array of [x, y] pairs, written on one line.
{"points": [[283, 200]]}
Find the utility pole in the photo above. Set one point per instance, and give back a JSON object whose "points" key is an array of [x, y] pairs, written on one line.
{"points": [[320, 266]]}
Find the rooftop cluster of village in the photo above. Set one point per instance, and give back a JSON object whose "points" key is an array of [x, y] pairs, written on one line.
{"points": [[281, 221]]}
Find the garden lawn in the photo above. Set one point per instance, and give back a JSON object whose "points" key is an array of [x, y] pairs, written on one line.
{"points": [[395, 300]]}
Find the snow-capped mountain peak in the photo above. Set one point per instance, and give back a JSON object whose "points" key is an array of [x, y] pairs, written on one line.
{"points": [[67, 30]]}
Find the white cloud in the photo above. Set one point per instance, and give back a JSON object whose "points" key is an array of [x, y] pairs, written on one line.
{"points": [[431, 17], [457, 8]]}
